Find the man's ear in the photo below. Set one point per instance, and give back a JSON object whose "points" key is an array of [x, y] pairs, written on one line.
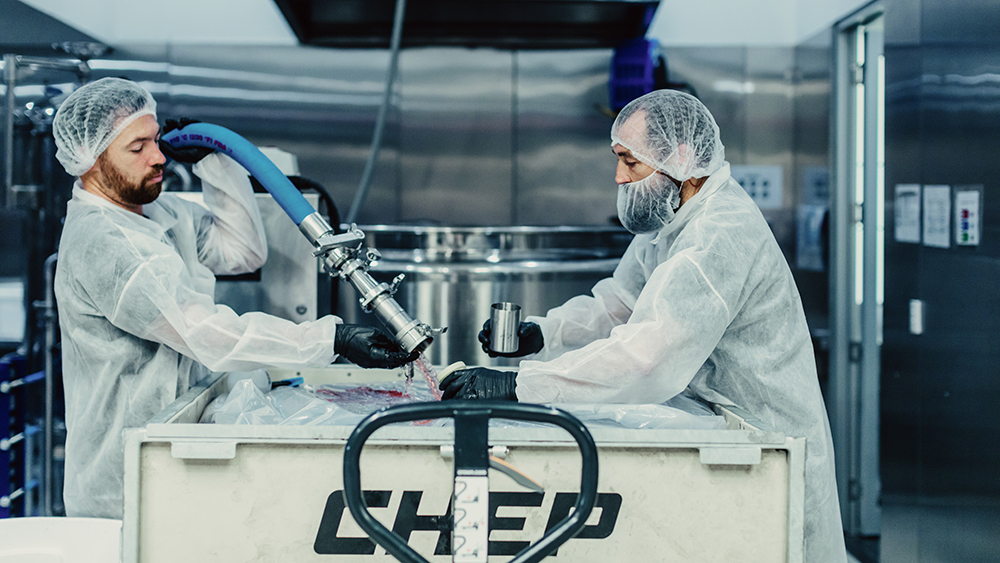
{"points": [[94, 171], [97, 170], [684, 157], [685, 152]]}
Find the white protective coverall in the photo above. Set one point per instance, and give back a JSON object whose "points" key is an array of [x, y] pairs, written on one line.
{"points": [[707, 303], [140, 323]]}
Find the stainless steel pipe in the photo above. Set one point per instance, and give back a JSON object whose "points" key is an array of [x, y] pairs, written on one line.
{"points": [[341, 258]]}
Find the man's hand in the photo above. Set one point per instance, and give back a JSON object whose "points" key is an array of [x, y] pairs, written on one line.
{"points": [[480, 383], [529, 340], [370, 347], [189, 155]]}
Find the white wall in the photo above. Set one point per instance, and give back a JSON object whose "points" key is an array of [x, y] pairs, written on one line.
{"points": [[114, 22], [773, 23]]}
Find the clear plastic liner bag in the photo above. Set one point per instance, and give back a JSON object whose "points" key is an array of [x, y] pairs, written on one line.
{"points": [[682, 412], [328, 405], [647, 417], [259, 377], [348, 404], [244, 404]]}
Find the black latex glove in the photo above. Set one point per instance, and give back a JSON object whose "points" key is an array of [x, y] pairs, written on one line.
{"points": [[529, 340], [189, 155], [370, 347], [480, 383]]}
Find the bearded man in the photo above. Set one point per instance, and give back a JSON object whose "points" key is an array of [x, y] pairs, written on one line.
{"points": [[702, 302], [135, 286]]}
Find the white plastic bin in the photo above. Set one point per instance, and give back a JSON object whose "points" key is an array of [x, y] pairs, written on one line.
{"points": [[59, 540], [223, 493]]}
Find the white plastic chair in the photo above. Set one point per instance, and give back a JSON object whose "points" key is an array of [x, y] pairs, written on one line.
{"points": [[60, 540]]}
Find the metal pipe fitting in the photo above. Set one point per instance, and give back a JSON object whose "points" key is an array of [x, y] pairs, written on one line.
{"points": [[314, 226]]}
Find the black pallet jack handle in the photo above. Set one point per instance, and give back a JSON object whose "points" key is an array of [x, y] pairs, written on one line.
{"points": [[471, 453]]}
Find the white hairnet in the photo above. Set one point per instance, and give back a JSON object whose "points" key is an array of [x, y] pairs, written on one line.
{"points": [[93, 116], [672, 132]]}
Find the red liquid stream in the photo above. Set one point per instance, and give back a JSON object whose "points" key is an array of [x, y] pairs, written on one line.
{"points": [[430, 374]]}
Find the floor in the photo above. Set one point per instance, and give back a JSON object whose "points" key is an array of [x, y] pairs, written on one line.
{"points": [[937, 530]]}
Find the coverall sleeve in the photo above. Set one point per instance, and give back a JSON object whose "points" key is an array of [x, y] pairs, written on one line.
{"points": [[678, 319], [144, 288], [231, 235], [586, 318]]}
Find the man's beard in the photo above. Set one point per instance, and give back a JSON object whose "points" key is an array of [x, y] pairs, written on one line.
{"points": [[129, 192]]}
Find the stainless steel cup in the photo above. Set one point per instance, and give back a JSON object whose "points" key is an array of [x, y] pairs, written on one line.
{"points": [[505, 318]]}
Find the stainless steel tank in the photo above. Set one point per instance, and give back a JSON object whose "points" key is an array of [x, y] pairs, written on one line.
{"points": [[454, 274]]}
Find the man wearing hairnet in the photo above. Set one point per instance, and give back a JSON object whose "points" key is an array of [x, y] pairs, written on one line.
{"points": [[701, 300], [135, 286]]}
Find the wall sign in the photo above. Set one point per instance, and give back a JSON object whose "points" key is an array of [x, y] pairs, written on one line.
{"points": [[937, 216], [908, 213], [968, 214]]}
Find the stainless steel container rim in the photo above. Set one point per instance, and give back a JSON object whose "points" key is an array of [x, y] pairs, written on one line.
{"points": [[489, 271], [496, 244], [498, 230]]}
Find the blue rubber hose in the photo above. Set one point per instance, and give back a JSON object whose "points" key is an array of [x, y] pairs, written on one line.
{"points": [[250, 157]]}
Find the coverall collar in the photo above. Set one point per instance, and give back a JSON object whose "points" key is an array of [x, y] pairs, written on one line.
{"points": [[712, 185], [153, 213]]}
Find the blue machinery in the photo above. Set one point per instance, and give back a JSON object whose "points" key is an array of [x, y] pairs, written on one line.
{"points": [[16, 433], [341, 254]]}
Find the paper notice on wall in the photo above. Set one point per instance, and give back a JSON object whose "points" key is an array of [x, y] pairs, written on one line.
{"points": [[937, 216], [966, 217], [908, 213]]}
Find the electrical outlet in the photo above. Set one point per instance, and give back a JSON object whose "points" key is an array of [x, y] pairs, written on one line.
{"points": [[765, 184]]}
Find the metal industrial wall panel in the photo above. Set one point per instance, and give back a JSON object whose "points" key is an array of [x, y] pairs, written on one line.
{"points": [[942, 127], [811, 144], [455, 136], [718, 75], [813, 75], [770, 130], [957, 22], [564, 165], [901, 407], [316, 103], [770, 112], [749, 91]]}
